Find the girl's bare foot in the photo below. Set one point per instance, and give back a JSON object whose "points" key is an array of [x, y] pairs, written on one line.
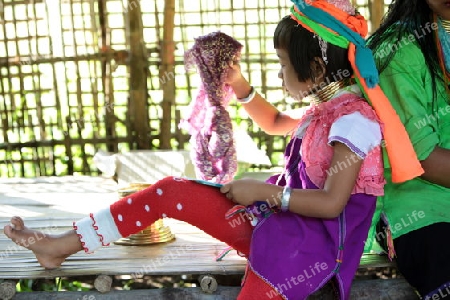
{"points": [[50, 250]]}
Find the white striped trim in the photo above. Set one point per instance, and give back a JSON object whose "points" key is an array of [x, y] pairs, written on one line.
{"points": [[105, 226], [88, 237]]}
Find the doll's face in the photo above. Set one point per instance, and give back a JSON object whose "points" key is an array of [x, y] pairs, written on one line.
{"points": [[295, 88], [440, 7]]}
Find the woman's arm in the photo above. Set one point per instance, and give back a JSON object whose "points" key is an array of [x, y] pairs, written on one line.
{"points": [[437, 167], [326, 203], [267, 116]]}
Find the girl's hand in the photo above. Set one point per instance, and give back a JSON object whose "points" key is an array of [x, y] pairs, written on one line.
{"points": [[243, 191], [234, 76]]}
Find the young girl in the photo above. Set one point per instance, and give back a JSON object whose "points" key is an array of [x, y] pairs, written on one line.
{"points": [[324, 200]]}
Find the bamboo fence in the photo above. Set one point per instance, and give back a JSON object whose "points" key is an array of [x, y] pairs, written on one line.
{"points": [[78, 76]]}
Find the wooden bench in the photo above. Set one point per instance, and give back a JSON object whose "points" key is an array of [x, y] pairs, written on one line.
{"points": [[53, 203]]}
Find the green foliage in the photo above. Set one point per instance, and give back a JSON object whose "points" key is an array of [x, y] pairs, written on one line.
{"points": [[127, 284], [59, 284], [24, 285]]}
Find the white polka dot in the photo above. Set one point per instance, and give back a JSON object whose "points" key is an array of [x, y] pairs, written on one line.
{"points": [[138, 224], [179, 206], [120, 218], [129, 201], [147, 208], [159, 191], [164, 215]]}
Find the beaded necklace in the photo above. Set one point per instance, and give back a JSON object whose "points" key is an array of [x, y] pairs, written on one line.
{"points": [[444, 38], [446, 25], [443, 46]]}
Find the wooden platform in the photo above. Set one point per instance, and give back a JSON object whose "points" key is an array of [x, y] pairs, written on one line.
{"points": [[53, 203]]}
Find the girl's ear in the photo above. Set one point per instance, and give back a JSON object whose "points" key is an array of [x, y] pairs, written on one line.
{"points": [[318, 69]]}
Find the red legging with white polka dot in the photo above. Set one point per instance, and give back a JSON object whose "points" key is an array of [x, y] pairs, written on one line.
{"points": [[199, 205]]}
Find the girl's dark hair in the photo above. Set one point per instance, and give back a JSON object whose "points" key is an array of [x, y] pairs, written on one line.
{"points": [[406, 17], [303, 47]]}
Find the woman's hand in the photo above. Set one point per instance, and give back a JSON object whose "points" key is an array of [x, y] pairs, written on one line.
{"points": [[243, 191]]}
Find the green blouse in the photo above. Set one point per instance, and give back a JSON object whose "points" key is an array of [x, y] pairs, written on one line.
{"points": [[407, 84]]}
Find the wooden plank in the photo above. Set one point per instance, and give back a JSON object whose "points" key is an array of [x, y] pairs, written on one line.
{"points": [[53, 203], [222, 293], [392, 289], [382, 289], [192, 252], [84, 182]]}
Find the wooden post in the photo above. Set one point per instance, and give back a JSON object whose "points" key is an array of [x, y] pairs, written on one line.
{"points": [[138, 76], [108, 88], [376, 13], [8, 289], [167, 74], [208, 284], [103, 283]]}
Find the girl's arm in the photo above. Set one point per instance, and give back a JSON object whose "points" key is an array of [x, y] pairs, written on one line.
{"points": [[267, 116], [326, 203]]}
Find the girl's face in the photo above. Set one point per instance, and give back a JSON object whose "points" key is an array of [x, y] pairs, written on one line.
{"points": [[295, 88], [440, 7]]}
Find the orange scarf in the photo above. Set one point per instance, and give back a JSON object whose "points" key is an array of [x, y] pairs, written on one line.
{"points": [[402, 157]]}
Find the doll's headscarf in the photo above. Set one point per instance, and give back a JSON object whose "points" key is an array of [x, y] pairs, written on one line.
{"points": [[335, 22], [209, 123]]}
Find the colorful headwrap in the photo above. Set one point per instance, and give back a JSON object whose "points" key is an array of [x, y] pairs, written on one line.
{"points": [[336, 23], [213, 150]]}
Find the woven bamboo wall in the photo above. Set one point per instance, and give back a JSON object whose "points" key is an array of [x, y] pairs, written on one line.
{"points": [[82, 75]]}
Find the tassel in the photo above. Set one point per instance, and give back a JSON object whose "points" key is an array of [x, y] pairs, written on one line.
{"points": [[237, 209], [390, 243], [224, 253]]}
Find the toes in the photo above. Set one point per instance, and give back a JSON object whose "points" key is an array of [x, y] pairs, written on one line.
{"points": [[8, 230], [18, 223], [11, 233], [14, 235]]}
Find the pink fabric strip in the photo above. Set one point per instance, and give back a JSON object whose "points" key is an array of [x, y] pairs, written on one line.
{"points": [[209, 123]]}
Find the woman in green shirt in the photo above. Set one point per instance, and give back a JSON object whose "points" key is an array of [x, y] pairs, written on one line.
{"points": [[412, 49]]}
